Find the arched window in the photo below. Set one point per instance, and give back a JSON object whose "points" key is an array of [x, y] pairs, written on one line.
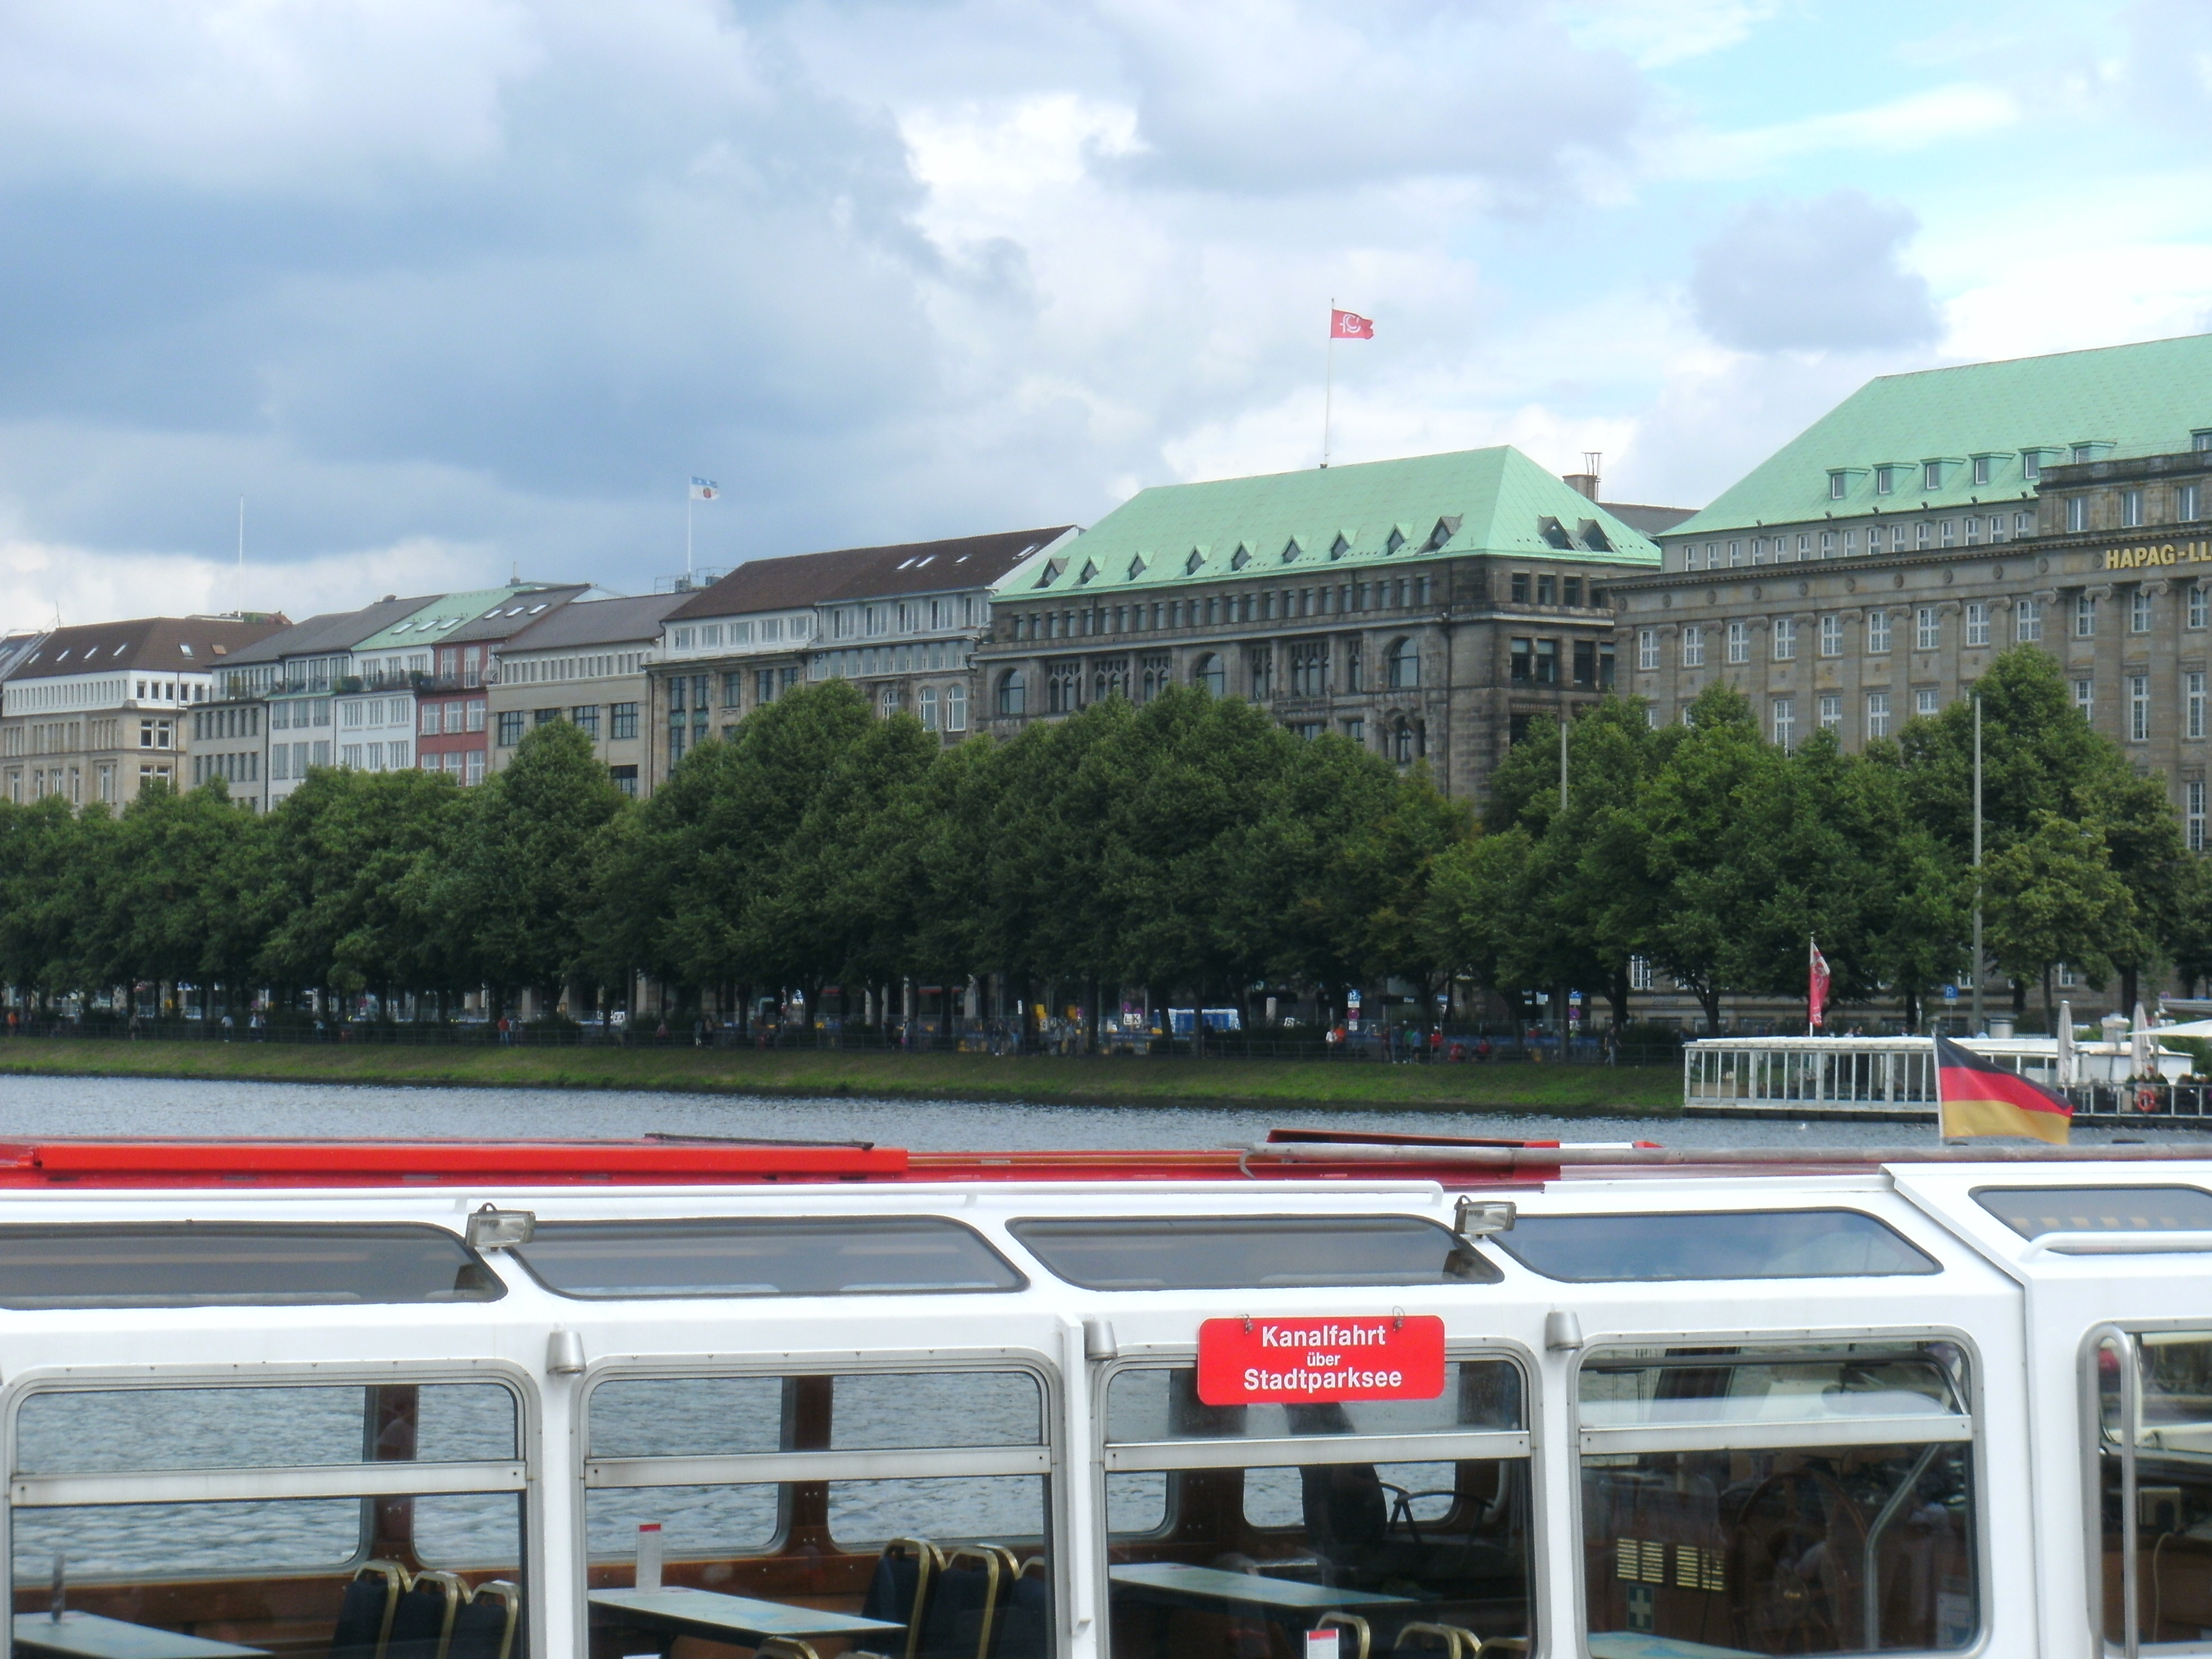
{"points": [[1011, 692], [891, 700], [1210, 674], [1402, 744], [956, 708], [1404, 660], [928, 705]]}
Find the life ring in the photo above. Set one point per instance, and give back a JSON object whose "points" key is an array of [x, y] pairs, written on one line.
{"points": [[2146, 1099]]}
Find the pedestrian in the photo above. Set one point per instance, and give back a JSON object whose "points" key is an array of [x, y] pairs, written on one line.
{"points": [[660, 1033], [226, 1026], [698, 1034]]}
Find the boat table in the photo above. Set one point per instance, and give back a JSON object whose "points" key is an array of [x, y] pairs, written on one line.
{"points": [[1287, 1601], [1635, 1644], [742, 1620], [90, 1635]]}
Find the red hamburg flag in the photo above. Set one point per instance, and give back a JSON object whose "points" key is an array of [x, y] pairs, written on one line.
{"points": [[1350, 326], [1816, 991]]}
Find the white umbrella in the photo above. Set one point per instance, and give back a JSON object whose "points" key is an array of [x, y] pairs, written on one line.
{"points": [[2065, 1034], [2193, 1028], [2140, 1063]]}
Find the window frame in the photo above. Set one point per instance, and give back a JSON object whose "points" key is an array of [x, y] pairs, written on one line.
{"points": [[1049, 1459], [1778, 1345]]}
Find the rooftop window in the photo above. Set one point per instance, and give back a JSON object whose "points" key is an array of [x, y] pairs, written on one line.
{"points": [[2032, 1211], [1178, 1252], [1770, 1244], [744, 1255], [1885, 481], [1396, 540], [1190, 566], [236, 1264]]}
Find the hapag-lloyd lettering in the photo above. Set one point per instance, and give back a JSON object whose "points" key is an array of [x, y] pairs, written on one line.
{"points": [[1242, 1361], [2138, 558]]}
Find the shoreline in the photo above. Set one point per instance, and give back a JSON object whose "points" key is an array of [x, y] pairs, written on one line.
{"points": [[1465, 1090]]}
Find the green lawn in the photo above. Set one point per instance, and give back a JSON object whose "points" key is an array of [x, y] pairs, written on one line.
{"points": [[1653, 1090]]}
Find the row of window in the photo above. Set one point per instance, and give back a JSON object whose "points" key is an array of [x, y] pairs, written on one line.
{"points": [[2188, 504], [621, 721], [538, 671], [1536, 662], [374, 757], [1548, 587], [451, 717], [932, 656], [68, 781], [237, 766], [1927, 701], [1788, 547], [1217, 610], [242, 721], [768, 630]]}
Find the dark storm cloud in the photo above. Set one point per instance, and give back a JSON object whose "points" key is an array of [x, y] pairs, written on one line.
{"points": [[1824, 275]]}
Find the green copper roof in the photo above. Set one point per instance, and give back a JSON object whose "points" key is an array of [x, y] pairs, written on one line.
{"points": [[1378, 514], [441, 615], [2145, 399]]}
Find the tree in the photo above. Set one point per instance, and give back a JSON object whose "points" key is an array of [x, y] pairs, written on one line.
{"points": [[2053, 897]]}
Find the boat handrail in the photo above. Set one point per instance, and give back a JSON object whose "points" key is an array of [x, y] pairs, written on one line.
{"points": [[2149, 1243]]}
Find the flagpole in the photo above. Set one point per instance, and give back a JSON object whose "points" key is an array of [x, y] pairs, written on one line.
{"points": [[688, 499], [1979, 1026], [1327, 381]]}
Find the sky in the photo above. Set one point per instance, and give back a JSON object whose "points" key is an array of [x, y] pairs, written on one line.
{"points": [[451, 290]]}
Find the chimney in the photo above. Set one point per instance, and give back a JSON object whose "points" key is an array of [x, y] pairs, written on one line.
{"points": [[1585, 482]]}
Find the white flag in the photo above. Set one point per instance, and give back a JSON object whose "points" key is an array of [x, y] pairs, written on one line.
{"points": [[704, 489]]}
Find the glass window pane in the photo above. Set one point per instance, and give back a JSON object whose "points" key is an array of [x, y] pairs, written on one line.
{"points": [[1781, 1552], [941, 1408], [686, 1416], [1844, 1381], [216, 1264], [1155, 1252], [2031, 1212], [2173, 1487], [1157, 1403], [1773, 1244], [114, 1431], [740, 1416], [745, 1256]]}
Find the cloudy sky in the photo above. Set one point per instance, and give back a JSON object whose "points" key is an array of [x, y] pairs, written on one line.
{"points": [[448, 288]]}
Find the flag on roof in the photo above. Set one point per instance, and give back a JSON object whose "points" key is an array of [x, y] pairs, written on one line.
{"points": [[1350, 326], [704, 489], [1816, 990], [1979, 1096]]}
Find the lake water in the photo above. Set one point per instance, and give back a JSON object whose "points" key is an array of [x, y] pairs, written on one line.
{"points": [[35, 1106]]}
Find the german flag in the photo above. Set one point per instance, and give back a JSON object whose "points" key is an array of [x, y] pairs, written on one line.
{"points": [[1979, 1096]]}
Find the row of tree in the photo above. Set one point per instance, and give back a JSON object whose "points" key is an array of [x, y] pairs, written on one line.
{"points": [[1187, 847]]}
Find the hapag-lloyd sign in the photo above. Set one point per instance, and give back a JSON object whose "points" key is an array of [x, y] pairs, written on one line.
{"points": [[2139, 558], [1253, 1362]]}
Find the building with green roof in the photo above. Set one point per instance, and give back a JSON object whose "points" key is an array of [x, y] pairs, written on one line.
{"points": [[1424, 607]]}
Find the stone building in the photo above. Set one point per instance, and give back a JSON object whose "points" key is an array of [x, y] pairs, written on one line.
{"points": [[902, 622], [1867, 573], [1426, 608], [92, 713], [588, 663]]}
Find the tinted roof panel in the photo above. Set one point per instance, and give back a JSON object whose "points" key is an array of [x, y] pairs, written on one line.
{"points": [[193, 1264], [2032, 1211], [1768, 1244], [1179, 1253], [745, 1255]]}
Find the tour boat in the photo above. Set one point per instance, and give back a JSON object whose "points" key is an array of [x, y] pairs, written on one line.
{"points": [[1329, 1396]]}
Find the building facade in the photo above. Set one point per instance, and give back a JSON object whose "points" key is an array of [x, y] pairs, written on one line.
{"points": [[95, 714], [1426, 608], [588, 663], [903, 623], [1866, 574]]}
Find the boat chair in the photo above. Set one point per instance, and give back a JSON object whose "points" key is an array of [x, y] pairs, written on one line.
{"points": [[1426, 1641], [786, 1646], [1025, 1628], [489, 1622], [963, 1613], [366, 1613], [899, 1592], [422, 1628], [1506, 1647], [1355, 1637]]}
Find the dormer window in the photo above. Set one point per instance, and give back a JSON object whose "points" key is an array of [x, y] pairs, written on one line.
{"points": [[1838, 483], [1592, 536], [1341, 546], [1090, 570], [1136, 567], [1446, 529], [2201, 440], [1931, 474], [1190, 566], [1395, 540], [1885, 481], [1555, 534], [1984, 465], [1050, 575], [1243, 555]]}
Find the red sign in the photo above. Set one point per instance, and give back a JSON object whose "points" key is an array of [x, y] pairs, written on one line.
{"points": [[1257, 1362]]}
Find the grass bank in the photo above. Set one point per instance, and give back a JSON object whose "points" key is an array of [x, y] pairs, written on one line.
{"points": [[1653, 1090]]}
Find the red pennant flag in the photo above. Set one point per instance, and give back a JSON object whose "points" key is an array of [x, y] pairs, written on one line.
{"points": [[1350, 326], [1979, 1096], [1816, 994]]}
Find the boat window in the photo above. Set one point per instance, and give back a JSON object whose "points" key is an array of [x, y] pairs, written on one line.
{"points": [[194, 1264], [746, 1256], [290, 1518], [1242, 1530], [2166, 1486], [1820, 1500], [1176, 1252], [2032, 1211], [896, 1512], [1769, 1245]]}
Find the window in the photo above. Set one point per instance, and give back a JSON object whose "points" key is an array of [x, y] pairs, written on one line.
{"points": [[1927, 703], [1661, 1440], [2077, 512], [1832, 712], [1012, 694], [430, 720], [1877, 714], [1785, 722], [2085, 615], [475, 773], [1547, 662], [1693, 647], [1885, 481], [752, 1257], [510, 727], [1639, 973], [1647, 649], [1785, 638], [1828, 544], [1838, 484], [1739, 641], [2027, 621], [1977, 622], [2131, 510], [2084, 698], [2196, 605], [956, 708], [1547, 589], [1877, 633], [1405, 743], [586, 716], [1596, 1249], [1262, 666], [1519, 588], [2192, 816], [2192, 702], [1585, 664], [622, 720], [925, 707], [2031, 464], [2138, 708], [1570, 588], [1735, 553], [1982, 468], [2187, 502], [1309, 668], [1235, 1253], [1831, 636], [1920, 534], [544, 716], [207, 1264], [1928, 628], [1931, 474], [2151, 1413], [2139, 612], [1524, 661]]}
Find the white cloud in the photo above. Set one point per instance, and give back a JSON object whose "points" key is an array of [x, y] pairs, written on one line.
{"points": [[1915, 122], [1659, 32], [2065, 299], [1813, 276]]}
